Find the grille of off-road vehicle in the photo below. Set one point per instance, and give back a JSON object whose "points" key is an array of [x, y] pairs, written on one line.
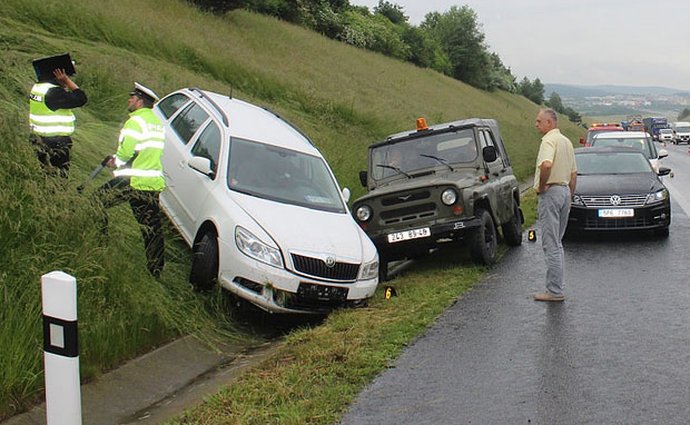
{"points": [[407, 207]]}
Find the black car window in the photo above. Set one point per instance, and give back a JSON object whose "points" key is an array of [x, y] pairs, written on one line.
{"points": [[208, 145], [189, 121], [171, 104]]}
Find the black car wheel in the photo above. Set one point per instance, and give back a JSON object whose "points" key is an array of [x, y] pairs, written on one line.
{"points": [[383, 269], [512, 230], [483, 244], [204, 271]]}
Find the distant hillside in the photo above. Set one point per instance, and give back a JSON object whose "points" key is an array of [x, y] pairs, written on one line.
{"points": [[567, 90]]}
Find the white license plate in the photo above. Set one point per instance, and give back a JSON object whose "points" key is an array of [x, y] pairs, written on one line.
{"points": [[617, 213], [424, 232]]}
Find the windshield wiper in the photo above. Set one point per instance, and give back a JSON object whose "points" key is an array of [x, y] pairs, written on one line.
{"points": [[441, 160], [392, 167]]}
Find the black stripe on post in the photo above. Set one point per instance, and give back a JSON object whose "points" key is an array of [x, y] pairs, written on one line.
{"points": [[60, 337]]}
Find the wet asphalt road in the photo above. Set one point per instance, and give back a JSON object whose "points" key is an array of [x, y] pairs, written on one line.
{"points": [[617, 351]]}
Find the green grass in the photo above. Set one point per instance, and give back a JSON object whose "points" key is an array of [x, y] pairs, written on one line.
{"points": [[343, 98]]}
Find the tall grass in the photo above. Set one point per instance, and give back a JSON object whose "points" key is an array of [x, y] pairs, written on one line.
{"points": [[344, 98]]}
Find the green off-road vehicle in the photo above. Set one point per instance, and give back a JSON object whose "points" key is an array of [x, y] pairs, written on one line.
{"points": [[445, 183]]}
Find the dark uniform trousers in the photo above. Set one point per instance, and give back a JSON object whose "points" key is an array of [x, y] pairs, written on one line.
{"points": [[146, 209], [53, 153]]}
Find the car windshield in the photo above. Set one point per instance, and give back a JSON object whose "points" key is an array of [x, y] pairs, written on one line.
{"points": [[640, 143], [443, 149], [282, 175], [612, 163]]}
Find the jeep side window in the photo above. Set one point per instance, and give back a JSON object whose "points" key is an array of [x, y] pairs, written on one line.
{"points": [[171, 104], [208, 145], [486, 139], [189, 121]]}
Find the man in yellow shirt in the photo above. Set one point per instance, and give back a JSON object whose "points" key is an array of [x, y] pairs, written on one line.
{"points": [[555, 178]]}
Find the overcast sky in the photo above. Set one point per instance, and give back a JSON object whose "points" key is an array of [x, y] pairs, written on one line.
{"points": [[585, 42]]}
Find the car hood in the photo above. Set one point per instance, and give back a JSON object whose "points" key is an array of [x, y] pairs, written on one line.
{"points": [[617, 183], [307, 231]]}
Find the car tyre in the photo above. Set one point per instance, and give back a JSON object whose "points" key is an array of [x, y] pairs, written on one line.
{"points": [[512, 230], [483, 243], [383, 269], [204, 271]]}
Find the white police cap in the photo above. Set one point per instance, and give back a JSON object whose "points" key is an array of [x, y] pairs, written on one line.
{"points": [[143, 91]]}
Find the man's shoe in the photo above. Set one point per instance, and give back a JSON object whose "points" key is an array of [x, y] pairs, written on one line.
{"points": [[548, 296]]}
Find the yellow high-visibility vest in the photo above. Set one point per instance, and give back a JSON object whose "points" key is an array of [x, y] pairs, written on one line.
{"points": [[42, 120]]}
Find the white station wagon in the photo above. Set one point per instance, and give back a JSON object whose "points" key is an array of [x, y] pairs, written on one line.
{"points": [[260, 207]]}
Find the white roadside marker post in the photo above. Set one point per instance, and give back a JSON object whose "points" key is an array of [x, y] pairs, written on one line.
{"points": [[61, 349]]}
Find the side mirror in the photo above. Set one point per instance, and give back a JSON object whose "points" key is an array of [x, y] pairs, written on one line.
{"points": [[664, 171], [346, 194], [202, 165], [489, 154], [582, 140], [363, 178], [663, 153]]}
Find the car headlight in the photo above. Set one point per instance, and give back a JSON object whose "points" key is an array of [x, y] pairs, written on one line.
{"points": [[449, 196], [253, 247], [659, 196], [363, 213], [369, 270], [577, 200]]}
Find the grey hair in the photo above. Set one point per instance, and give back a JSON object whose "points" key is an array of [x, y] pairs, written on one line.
{"points": [[551, 114]]}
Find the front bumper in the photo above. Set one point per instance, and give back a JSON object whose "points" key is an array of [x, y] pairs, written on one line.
{"points": [[278, 290], [645, 218], [440, 233]]}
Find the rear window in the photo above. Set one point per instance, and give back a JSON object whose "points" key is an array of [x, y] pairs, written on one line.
{"points": [[642, 144]]}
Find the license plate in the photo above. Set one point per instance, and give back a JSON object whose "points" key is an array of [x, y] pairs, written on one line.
{"points": [[424, 232], [617, 213], [312, 291]]}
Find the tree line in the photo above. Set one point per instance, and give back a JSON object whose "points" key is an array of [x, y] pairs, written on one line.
{"points": [[451, 43]]}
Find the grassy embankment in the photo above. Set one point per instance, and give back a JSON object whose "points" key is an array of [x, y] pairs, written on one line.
{"points": [[344, 98]]}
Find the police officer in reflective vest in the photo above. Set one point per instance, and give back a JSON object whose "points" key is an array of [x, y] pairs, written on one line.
{"points": [[51, 120], [139, 173]]}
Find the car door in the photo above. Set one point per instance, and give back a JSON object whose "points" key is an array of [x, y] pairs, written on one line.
{"points": [[499, 178], [182, 189]]}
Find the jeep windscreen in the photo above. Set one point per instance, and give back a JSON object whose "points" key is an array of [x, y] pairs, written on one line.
{"points": [[282, 175], [411, 155]]}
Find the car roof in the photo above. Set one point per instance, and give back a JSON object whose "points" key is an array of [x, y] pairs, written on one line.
{"points": [[622, 135], [466, 123], [252, 122], [607, 149]]}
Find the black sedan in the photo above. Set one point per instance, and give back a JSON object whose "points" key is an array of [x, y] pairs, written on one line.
{"points": [[617, 189]]}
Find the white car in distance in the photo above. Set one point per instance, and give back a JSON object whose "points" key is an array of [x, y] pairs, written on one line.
{"points": [[665, 135], [260, 207]]}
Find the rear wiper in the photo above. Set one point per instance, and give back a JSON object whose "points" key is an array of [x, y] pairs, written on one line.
{"points": [[392, 167], [441, 160]]}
